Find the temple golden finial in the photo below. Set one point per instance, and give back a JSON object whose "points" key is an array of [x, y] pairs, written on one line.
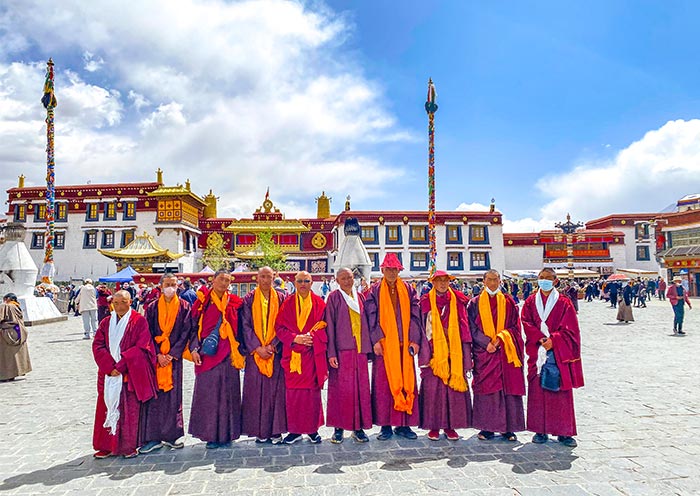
{"points": [[159, 176], [20, 183], [187, 185]]}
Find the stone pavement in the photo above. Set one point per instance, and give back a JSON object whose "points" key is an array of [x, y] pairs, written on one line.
{"points": [[638, 418]]}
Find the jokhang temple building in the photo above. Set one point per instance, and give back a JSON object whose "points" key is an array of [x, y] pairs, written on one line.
{"points": [[153, 227]]}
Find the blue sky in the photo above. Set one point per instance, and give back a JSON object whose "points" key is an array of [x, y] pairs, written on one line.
{"points": [[550, 107]]}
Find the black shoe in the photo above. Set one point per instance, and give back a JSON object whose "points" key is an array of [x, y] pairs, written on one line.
{"points": [[360, 436], [567, 441], [337, 436], [485, 435], [292, 438], [682, 333], [510, 436], [315, 438], [540, 438], [405, 432], [385, 433]]}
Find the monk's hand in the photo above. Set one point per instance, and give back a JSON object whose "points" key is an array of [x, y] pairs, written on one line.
{"points": [[491, 348], [547, 344], [196, 358], [263, 352], [333, 362], [378, 348], [304, 339], [170, 357], [115, 373], [163, 360]]}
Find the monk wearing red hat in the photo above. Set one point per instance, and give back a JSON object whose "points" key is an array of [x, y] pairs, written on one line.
{"points": [[445, 358], [395, 331]]}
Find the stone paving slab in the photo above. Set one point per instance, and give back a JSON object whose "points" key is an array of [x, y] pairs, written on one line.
{"points": [[637, 420]]}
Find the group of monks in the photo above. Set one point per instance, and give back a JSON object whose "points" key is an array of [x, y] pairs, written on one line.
{"points": [[290, 345]]}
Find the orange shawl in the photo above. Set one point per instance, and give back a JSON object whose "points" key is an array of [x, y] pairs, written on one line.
{"points": [[265, 329], [167, 314], [397, 360], [225, 331]]}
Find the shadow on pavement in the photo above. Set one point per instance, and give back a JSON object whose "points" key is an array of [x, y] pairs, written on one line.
{"points": [[393, 455]]}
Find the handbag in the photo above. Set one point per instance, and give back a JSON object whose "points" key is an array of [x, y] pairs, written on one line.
{"points": [[210, 344], [550, 377], [12, 334]]}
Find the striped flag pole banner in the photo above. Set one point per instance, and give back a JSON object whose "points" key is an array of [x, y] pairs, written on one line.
{"points": [[48, 270], [431, 107]]}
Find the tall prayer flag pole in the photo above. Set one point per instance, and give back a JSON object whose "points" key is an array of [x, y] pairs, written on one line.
{"points": [[49, 100], [431, 107]]}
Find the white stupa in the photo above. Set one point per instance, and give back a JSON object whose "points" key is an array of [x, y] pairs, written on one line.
{"points": [[352, 252], [18, 275]]}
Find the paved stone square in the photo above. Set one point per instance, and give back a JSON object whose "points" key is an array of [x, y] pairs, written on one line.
{"points": [[638, 422]]}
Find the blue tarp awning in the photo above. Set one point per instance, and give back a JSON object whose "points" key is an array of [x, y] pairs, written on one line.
{"points": [[124, 275]]}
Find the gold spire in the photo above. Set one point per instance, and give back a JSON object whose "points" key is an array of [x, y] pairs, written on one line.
{"points": [[21, 181], [210, 208], [159, 176], [187, 185], [323, 209]]}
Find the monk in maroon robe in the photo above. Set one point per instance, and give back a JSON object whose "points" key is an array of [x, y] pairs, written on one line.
{"points": [[125, 361], [445, 358], [551, 324], [301, 329], [264, 412], [215, 416], [349, 402], [497, 349], [170, 325], [393, 315]]}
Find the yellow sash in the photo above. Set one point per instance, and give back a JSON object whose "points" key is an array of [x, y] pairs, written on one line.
{"points": [[265, 327], [356, 324], [303, 307], [447, 357], [498, 332]]}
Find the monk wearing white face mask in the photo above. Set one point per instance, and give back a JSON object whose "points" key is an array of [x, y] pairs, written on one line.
{"points": [[170, 325]]}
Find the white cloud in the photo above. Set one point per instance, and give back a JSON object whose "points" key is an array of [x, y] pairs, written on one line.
{"points": [[236, 96], [472, 207], [91, 62], [649, 174]]}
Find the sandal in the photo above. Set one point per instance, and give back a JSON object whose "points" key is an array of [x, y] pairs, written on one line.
{"points": [[485, 435], [510, 436]]}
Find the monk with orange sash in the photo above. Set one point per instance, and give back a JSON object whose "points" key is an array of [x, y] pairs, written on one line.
{"points": [[301, 329], [264, 413], [169, 321], [394, 325], [216, 402], [497, 348]]}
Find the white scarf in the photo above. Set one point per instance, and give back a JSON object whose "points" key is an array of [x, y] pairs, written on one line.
{"points": [[352, 301], [113, 385], [543, 311]]}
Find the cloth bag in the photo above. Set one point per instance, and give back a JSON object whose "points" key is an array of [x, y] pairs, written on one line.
{"points": [[13, 334], [550, 377], [210, 344]]}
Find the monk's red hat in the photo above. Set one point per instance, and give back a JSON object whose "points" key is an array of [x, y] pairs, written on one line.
{"points": [[442, 273], [391, 261]]}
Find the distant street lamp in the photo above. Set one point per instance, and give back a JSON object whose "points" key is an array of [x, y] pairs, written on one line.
{"points": [[569, 229]]}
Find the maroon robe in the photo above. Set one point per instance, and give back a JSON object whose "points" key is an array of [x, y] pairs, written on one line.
{"points": [[303, 395], [383, 410], [264, 400], [161, 417], [498, 386], [137, 367], [215, 415], [551, 412], [349, 405], [441, 407]]}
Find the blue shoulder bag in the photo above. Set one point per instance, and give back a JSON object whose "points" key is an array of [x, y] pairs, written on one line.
{"points": [[550, 377]]}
